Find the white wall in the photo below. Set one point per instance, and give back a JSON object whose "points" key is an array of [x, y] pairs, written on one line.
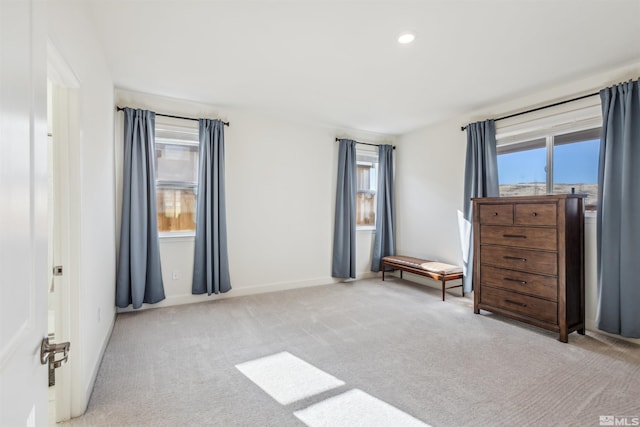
{"points": [[280, 193], [429, 187], [429, 190], [430, 178], [92, 195]]}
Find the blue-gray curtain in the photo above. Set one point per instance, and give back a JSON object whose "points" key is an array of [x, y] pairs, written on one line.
{"points": [[211, 262], [618, 226], [384, 242], [139, 278], [344, 233], [480, 178]]}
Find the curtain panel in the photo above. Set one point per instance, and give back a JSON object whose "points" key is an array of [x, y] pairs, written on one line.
{"points": [[344, 234], [139, 276], [480, 180], [618, 226], [384, 242], [211, 261]]}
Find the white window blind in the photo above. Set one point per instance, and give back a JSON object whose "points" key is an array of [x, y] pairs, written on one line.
{"points": [[571, 117]]}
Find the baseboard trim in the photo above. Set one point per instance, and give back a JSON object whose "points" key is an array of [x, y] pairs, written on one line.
{"points": [[96, 368], [172, 300], [590, 325], [237, 291]]}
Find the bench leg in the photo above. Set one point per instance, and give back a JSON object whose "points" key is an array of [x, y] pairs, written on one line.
{"points": [[401, 274], [443, 282]]}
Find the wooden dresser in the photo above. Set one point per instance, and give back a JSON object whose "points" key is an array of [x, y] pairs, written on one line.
{"points": [[529, 260]]}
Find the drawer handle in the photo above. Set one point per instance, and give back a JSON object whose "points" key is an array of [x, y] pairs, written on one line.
{"points": [[515, 303], [515, 258], [515, 236], [534, 214], [522, 282], [495, 214]]}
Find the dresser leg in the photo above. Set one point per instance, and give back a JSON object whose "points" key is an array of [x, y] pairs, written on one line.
{"points": [[563, 337], [581, 331]]}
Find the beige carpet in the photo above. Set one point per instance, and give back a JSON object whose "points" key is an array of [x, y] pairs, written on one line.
{"points": [[435, 361]]}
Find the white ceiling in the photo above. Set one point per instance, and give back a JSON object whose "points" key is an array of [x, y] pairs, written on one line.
{"points": [[338, 62]]}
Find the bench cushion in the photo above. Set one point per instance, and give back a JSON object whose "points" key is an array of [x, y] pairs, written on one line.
{"points": [[441, 267], [433, 266]]}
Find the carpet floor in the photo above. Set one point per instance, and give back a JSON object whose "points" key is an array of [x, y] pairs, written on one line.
{"points": [[395, 341]]}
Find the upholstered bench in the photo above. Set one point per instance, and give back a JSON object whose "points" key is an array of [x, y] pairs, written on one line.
{"points": [[432, 269]]}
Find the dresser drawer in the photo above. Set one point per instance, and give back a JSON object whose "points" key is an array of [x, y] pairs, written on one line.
{"points": [[533, 307], [520, 259], [533, 284], [536, 214], [524, 237], [496, 214]]}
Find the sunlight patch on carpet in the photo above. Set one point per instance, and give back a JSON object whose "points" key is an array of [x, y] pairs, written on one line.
{"points": [[355, 408], [287, 378]]}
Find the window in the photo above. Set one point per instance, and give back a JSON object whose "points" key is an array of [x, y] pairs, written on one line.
{"points": [[522, 168], [554, 164], [366, 186], [177, 178]]}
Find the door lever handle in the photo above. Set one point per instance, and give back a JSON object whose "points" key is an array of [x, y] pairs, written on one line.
{"points": [[48, 352]]}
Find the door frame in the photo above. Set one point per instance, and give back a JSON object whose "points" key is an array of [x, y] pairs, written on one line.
{"points": [[66, 137]]}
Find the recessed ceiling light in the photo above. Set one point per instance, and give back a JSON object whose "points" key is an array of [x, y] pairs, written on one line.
{"points": [[406, 38]]}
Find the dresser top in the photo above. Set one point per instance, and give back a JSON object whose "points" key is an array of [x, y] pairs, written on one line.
{"points": [[541, 198]]}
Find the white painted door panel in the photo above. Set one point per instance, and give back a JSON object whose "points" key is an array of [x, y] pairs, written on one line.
{"points": [[23, 213]]}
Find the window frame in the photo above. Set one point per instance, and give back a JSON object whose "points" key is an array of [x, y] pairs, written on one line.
{"points": [[373, 153], [176, 184], [579, 115], [566, 137]]}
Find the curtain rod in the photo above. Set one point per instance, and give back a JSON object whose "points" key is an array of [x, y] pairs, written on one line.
{"points": [[462, 128], [367, 143], [171, 116]]}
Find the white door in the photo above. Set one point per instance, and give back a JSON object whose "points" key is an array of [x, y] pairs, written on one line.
{"points": [[23, 212]]}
